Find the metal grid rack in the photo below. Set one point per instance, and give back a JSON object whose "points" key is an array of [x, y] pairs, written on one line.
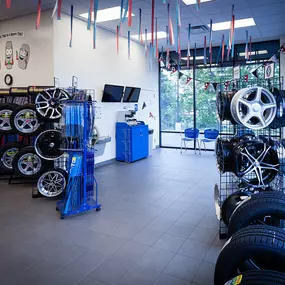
{"points": [[229, 182]]}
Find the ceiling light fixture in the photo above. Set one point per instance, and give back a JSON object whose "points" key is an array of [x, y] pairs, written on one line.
{"points": [[160, 35], [192, 2], [105, 15], [259, 52], [191, 57], [242, 23]]}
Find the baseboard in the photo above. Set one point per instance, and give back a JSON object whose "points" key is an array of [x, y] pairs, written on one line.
{"points": [[106, 162]]}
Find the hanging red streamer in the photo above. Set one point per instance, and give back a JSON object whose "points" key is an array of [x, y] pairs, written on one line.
{"points": [[152, 22], [170, 26], [59, 4], [223, 48], [130, 13], [90, 15], [39, 15], [207, 84], [156, 39], [117, 39], [188, 80], [8, 4]]}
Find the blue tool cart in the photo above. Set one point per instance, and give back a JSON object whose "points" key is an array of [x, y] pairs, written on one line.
{"points": [[81, 193], [131, 141]]}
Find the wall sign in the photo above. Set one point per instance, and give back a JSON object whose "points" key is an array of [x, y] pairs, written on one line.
{"points": [[269, 71], [237, 72], [4, 92], [35, 90], [19, 91], [12, 35]]}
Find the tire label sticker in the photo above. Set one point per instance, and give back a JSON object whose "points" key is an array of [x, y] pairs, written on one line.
{"points": [[236, 281]]}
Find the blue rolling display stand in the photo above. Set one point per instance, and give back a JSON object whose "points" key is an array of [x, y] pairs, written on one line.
{"points": [[82, 189], [131, 142]]}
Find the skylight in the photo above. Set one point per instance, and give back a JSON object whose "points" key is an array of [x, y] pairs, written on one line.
{"points": [[192, 2], [259, 52]]}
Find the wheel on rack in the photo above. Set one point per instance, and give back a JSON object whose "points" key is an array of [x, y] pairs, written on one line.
{"points": [[258, 277], [265, 208], [223, 103], [24, 120], [254, 107], [261, 246], [49, 103], [279, 120], [48, 144], [257, 163], [52, 183], [28, 164], [7, 154], [6, 111]]}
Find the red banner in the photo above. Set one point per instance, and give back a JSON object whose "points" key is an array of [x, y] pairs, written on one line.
{"points": [[8, 3], [39, 15], [130, 13], [59, 9]]}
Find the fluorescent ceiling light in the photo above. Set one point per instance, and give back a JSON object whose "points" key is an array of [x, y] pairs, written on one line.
{"points": [[192, 2], [191, 57], [253, 52], [238, 24], [105, 15], [160, 35]]}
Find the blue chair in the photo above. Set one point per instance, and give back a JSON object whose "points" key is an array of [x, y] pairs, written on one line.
{"points": [[210, 135], [190, 134]]}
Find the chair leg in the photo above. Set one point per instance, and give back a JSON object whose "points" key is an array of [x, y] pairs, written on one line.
{"points": [[185, 146], [181, 147], [205, 146]]}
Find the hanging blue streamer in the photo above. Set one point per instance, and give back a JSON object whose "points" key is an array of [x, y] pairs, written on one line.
{"points": [[124, 15], [96, 2], [246, 46], [189, 37], [220, 50], [140, 25], [129, 44], [71, 25]]}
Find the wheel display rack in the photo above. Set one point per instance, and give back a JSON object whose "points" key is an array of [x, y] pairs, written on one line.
{"points": [[253, 176]]}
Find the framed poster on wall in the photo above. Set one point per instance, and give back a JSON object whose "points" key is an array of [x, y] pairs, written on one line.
{"points": [[237, 72], [269, 71]]}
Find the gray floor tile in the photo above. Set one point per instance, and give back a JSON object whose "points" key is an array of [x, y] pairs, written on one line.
{"points": [[164, 279], [170, 242], [147, 237], [172, 215], [126, 231], [111, 271], [90, 281], [191, 219], [182, 267], [156, 259], [204, 234], [131, 251], [205, 274], [209, 222], [195, 249], [181, 229], [160, 224], [213, 253], [139, 276]]}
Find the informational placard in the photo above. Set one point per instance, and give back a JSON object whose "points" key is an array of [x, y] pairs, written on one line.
{"points": [[35, 90], [12, 35], [237, 72], [269, 71], [4, 92], [19, 91]]}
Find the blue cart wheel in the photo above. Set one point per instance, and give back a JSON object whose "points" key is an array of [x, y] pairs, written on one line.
{"points": [[98, 209], [62, 217]]}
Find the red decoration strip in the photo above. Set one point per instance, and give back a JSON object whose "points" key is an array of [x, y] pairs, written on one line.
{"points": [[188, 80], [223, 48], [39, 15], [59, 9], [152, 22], [8, 3], [207, 84], [117, 38], [130, 13]]}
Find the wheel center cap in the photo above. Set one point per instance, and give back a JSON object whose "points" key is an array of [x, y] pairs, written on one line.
{"points": [[256, 108], [51, 144]]}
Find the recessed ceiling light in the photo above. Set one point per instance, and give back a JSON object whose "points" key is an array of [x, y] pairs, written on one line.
{"points": [[192, 2], [253, 52], [160, 35], [191, 57], [105, 15], [238, 24]]}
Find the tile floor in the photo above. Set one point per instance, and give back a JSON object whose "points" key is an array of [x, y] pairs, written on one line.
{"points": [[157, 226]]}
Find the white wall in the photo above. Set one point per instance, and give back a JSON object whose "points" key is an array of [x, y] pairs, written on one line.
{"points": [[40, 69], [282, 62], [101, 66]]}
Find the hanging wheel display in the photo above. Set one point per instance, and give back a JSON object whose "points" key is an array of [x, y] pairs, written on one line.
{"points": [[28, 164], [52, 183], [24, 120], [5, 117], [257, 163], [7, 153], [48, 145], [254, 107], [279, 121], [223, 103], [49, 103]]}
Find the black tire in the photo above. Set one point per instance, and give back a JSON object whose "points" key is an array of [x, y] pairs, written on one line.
{"points": [[259, 277], [6, 110], [7, 153], [37, 164], [45, 191], [264, 245], [31, 128], [257, 207]]}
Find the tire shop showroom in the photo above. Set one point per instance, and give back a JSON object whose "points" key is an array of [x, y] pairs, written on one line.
{"points": [[142, 142]]}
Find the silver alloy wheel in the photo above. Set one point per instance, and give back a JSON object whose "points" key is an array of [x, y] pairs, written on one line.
{"points": [[51, 183], [8, 157], [5, 120], [254, 107], [49, 103], [26, 121], [29, 164]]}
